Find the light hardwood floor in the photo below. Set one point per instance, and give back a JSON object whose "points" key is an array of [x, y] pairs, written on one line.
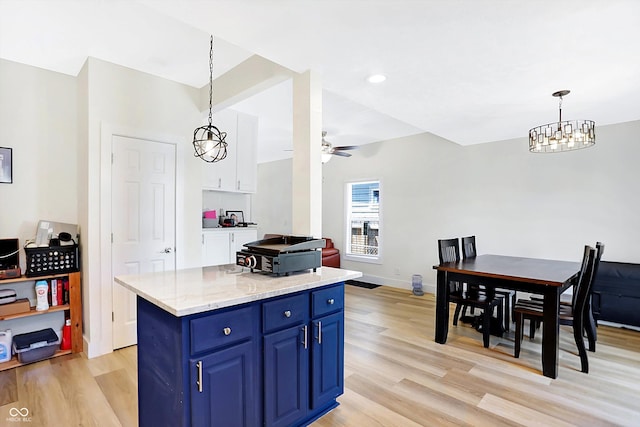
{"points": [[395, 375]]}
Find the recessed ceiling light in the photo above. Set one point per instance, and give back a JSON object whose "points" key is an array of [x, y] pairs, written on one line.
{"points": [[376, 78]]}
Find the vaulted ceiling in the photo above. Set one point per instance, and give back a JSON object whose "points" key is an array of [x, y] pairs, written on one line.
{"points": [[470, 71]]}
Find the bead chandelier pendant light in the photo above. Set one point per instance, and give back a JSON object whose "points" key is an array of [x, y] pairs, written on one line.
{"points": [[562, 136], [208, 141]]}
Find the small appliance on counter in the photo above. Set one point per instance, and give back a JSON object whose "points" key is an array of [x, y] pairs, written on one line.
{"points": [[282, 254]]}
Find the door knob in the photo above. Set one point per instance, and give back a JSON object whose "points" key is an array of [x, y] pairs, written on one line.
{"points": [[167, 251]]}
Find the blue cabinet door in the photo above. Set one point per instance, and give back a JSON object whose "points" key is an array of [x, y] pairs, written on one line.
{"points": [[327, 375], [228, 393], [286, 376]]}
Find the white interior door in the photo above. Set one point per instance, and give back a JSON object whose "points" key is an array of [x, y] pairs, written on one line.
{"points": [[143, 176]]}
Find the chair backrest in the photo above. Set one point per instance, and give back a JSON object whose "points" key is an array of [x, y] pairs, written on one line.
{"points": [[469, 247], [599, 251], [583, 289], [449, 250]]}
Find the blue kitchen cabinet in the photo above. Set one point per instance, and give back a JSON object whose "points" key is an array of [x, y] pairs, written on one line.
{"points": [[286, 381], [224, 393], [327, 366], [273, 362], [304, 363]]}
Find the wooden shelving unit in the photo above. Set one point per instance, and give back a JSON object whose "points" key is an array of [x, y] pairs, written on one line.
{"points": [[74, 308]]}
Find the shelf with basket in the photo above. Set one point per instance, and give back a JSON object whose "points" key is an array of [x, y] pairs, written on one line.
{"points": [[72, 310]]}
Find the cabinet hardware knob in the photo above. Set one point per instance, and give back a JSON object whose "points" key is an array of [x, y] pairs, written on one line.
{"points": [[287, 313], [330, 301], [227, 331]]}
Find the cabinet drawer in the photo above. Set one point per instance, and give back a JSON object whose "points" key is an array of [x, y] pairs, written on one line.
{"points": [[325, 301], [221, 329], [285, 312]]}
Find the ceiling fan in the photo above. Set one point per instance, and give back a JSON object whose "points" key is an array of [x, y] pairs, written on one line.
{"points": [[329, 150]]}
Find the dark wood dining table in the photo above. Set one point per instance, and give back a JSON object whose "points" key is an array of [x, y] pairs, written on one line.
{"points": [[539, 276]]}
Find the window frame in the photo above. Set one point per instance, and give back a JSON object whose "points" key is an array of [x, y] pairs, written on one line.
{"points": [[348, 256]]}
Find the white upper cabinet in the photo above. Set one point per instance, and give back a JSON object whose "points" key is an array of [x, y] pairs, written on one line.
{"points": [[238, 171]]}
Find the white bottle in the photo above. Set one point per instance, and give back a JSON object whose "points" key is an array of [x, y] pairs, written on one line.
{"points": [[42, 289], [5, 345]]}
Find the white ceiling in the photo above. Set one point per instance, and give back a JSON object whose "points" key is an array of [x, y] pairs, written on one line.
{"points": [[471, 71]]}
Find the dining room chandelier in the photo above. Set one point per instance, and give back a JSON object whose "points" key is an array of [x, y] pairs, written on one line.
{"points": [[564, 135], [208, 141]]}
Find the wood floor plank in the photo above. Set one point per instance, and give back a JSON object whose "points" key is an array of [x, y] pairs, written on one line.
{"points": [[8, 387], [519, 413], [121, 392], [85, 401]]}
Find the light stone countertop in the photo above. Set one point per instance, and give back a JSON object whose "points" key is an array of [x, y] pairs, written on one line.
{"points": [[196, 290]]}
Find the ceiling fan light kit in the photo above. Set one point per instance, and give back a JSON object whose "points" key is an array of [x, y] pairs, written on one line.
{"points": [[329, 150], [208, 141], [565, 135]]}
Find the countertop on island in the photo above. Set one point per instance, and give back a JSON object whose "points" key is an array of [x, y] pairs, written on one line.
{"points": [[196, 290]]}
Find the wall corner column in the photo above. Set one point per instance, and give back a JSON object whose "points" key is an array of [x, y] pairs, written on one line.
{"points": [[307, 162]]}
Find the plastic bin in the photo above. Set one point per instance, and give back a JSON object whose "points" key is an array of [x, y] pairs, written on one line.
{"points": [[35, 346]]}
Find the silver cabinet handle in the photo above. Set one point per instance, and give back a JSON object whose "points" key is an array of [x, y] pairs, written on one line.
{"points": [[319, 337], [287, 313], [238, 185], [227, 331], [331, 301], [219, 182], [304, 338], [199, 382]]}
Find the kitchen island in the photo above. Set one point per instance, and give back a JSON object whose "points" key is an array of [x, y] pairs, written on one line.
{"points": [[224, 346]]}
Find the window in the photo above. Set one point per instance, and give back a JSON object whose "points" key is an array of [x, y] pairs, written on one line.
{"points": [[363, 221]]}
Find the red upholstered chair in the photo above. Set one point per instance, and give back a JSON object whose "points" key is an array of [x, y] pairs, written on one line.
{"points": [[330, 255]]}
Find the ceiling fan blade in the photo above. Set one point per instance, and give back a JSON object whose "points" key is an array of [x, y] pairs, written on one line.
{"points": [[341, 154], [346, 147]]}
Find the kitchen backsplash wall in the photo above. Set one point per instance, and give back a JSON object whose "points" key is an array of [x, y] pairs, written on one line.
{"points": [[215, 200]]}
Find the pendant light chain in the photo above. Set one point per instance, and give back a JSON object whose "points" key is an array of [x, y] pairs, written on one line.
{"points": [[210, 78]]}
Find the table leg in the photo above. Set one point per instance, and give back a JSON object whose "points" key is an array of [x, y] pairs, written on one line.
{"points": [[442, 308], [550, 332]]}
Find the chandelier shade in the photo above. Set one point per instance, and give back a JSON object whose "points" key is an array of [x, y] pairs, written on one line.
{"points": [[208, 141], [562, 135]]}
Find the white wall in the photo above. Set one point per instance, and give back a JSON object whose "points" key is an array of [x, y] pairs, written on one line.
{"points": [[38, 112], [515, 202], [272, 203]]}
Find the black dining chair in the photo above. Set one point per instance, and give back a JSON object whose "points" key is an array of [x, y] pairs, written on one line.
{"points": [[589, 322], [575, 315], [509, 296], [449, 251]]}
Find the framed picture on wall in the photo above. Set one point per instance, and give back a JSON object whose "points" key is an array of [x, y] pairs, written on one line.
{"points": [[6, 165]]}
